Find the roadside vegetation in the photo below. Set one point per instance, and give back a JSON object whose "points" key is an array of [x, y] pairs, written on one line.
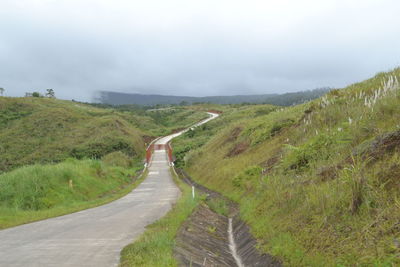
{"points": [[318, 183], [155, 247], [37, 192]]}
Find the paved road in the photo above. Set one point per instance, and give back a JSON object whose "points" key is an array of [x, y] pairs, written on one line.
{"points": [[94, 237]]}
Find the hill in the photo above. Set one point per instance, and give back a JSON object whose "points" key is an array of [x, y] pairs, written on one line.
{"points": [[318, 183], [42, 130], [286, 99]]}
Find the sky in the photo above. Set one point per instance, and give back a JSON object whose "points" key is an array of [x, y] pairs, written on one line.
{"points": [[194, 48]]}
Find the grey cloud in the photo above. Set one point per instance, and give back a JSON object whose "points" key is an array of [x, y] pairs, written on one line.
{"points": [[214, 48]]}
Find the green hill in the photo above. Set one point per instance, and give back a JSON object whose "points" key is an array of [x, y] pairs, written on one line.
{"points": [[42, 130], [58, 157], [39, 130], [318, 183]]}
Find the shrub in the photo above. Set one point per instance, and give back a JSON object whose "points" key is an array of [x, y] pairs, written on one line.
{"points": [[102, 147], [117, 159], [317, 148], [279, 125]]}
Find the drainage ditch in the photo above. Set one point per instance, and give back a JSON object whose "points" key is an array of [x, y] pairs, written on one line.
{"points": [[211, 239]]}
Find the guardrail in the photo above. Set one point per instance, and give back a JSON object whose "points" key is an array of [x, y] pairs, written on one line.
{"points": [[214, 111], [149, 153], [167, 147], [152, 147], [169, 152]]}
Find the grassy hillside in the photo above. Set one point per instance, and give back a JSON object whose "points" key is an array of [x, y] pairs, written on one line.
{"points": [[41, 130], [318, 183]]}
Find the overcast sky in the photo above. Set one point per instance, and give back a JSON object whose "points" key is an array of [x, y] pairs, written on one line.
{"points": [[197, 48]]}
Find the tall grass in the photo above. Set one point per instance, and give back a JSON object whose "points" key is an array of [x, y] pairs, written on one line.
{"points": [[41, 191]]}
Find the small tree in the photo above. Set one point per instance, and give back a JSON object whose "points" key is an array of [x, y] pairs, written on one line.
{"points": [[2, 90], [50, 93], [36, 94]]}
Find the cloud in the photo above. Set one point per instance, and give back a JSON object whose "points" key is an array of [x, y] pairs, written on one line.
{"points": [[193, 47]]}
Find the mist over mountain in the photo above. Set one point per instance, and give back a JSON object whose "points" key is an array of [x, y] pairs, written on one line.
{"points": [[287, 99]]}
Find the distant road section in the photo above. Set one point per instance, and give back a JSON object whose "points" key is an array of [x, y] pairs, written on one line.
{"points": [[95, 237]]}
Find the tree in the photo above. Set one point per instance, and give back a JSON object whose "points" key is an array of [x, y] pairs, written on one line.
{"points": [[36, 94], [50, 93], [2, 90]]}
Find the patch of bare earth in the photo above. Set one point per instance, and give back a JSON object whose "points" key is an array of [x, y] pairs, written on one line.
{"points": [[238, 149]]}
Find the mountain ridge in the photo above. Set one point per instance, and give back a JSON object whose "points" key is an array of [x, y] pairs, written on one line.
{"points": [[286, 99]]}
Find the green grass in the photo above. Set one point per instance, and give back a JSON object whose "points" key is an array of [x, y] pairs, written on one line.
{"points": [[41, 191], [306, 198], [218, 205], [155, 246]]}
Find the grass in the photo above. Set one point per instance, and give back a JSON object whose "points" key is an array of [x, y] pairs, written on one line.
{"points": [[309, 194], [38, 192], [218, 205], [155, 246]]}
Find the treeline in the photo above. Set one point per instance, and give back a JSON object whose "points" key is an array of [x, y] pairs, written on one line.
{"points": [[287, 99]]}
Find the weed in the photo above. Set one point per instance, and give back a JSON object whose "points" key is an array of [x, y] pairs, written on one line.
{"points": [[218, 205]]}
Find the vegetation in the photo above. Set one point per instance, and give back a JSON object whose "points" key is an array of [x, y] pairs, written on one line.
{"points": [[155, 246], [44, 130], [58, 157], [50, 93], [318, 183], [40, 191]]}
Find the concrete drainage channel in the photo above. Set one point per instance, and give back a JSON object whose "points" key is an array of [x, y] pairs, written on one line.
{"points": [[211, 239], [232, 244]]}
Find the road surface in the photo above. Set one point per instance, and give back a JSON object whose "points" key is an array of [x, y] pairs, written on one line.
{"points": [[95, 237]]}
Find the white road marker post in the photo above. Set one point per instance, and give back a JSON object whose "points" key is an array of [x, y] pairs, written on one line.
{"points": [[193, 191]]}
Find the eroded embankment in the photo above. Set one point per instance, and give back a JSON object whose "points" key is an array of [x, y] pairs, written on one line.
{"points": [[206, 239]]}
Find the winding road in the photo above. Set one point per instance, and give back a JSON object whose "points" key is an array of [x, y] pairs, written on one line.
{"points": [[95, 237]]}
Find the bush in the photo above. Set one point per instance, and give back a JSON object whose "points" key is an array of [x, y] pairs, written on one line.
{"points": [[279, 125], [101, 148], [317, 148], [117, 159]]}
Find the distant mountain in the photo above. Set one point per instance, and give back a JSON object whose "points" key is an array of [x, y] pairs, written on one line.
{"points": [[287, 99]]}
